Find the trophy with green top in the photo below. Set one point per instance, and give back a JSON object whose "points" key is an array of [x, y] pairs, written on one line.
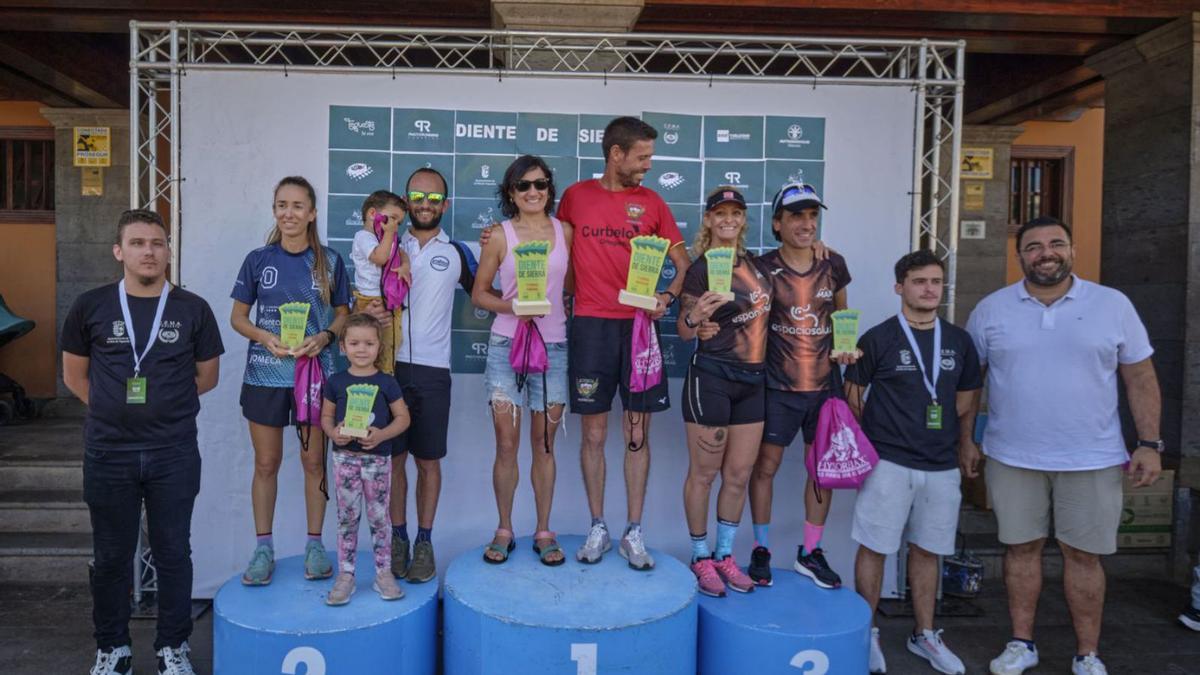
{"points": [[531, 258], [646, 257], [293, 320], [720, 271], [360, 403], [845, 332]]}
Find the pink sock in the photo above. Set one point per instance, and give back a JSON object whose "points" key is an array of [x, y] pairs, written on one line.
{"points": [[812, 536]]}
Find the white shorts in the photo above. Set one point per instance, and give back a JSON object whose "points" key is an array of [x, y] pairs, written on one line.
{"points": [[894, 498]]}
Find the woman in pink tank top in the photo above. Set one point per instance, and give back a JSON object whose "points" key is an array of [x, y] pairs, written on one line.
{"points": [[527, 199]]}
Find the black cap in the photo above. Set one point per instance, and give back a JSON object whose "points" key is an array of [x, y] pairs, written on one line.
{"points": [[723, 195]]}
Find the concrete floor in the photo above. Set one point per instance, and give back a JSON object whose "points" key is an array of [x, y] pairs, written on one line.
{"points": [[48, 630]]}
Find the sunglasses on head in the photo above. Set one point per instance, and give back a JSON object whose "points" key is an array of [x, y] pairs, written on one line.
{"points": [[432, 197], [542, 184], [792, 192]]}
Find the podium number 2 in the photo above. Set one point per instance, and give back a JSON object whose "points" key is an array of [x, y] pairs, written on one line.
{"points": [[584, 656], [309, 657], [811, 661]]}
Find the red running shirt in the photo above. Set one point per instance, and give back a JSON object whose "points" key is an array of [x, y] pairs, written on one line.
{"points": [[604, 222]]}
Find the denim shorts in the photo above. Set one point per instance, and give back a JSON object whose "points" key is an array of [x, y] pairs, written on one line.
{"points": [[501, 381]]}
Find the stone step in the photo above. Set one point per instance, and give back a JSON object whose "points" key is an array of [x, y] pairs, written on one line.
{"points": [[44, 511], [44, 557], [41, 474]]}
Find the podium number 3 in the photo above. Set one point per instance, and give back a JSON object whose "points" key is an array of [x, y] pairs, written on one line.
{"points": [[312, 660], [584, 656], [811, 661]]}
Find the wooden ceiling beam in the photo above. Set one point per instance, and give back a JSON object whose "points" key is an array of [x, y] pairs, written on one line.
{"points": [[1110, 8]]}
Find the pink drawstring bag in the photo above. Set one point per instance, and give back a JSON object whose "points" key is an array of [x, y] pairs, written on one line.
{"points": [[393, 287], [310, 379], [528, 353], [646, 369], [841, 456]]}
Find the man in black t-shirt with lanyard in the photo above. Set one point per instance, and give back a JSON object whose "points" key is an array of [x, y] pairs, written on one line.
{"points": [[139, 352], [923, 376]]}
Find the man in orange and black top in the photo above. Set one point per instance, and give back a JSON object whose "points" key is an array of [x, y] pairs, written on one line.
{"points": [[807, 290]]}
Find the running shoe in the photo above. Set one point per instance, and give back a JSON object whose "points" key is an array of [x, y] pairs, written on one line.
{"points": [[633, 549], [813, 566], [760, 566], [878, 665], [1016, 658], [261, 567], [598, 543], [174, 661], [1088, 665], [343, 588], [1190, 617], [423, 567], [929, 646], [316, 562], [400, 556], [733, 575], [707, 580], [113, 661], [385, 585]]}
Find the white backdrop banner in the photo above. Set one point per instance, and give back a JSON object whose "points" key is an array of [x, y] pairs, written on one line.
{"points": [[242, 132]]}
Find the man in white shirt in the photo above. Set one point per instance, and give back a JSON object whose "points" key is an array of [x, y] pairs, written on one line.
{"points": [[1053, 345], [423, 366]]}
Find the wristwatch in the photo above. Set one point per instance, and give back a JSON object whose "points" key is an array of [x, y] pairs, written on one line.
{"points": [[687, 321], [673, 298], [1157, 446], [332, 336]]}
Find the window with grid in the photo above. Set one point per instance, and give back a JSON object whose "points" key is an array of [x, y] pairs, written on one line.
{"points": [[1040, 183], [26, 173]]}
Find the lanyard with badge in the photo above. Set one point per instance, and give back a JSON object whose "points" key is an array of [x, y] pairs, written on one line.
{"points": [[135, 387], [933, 412]]}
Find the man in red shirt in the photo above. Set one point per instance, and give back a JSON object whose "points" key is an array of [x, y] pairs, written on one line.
{"points": [[606, 213]]}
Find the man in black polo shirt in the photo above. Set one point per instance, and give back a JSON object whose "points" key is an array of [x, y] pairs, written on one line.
{"points": [[139, 352], [921, 375]]}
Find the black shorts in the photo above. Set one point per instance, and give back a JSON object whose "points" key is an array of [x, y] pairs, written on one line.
{"points": [[790, 411], [427, 394], [269, 406], [716, 397], [598, 365]]}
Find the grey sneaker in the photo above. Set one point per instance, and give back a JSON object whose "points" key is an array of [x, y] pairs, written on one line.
{"points": [[385, 585], [115, 661], [423, 567], [401, 557], [929, 646], [175, 661], [316, 563], [1088, 665], [633, 549], [343, 588], [598, 543], [261, 567], [876, 663]]}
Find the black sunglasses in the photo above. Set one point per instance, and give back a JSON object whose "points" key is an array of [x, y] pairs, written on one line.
{"points": [[542, 184]]}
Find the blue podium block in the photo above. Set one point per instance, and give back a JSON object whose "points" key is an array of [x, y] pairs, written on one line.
{"points": [[790, 628], [576, 619], [286, 627]]}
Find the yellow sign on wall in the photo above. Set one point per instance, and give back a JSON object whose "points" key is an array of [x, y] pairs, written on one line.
{"points": [[977, 163], [93, 146]]}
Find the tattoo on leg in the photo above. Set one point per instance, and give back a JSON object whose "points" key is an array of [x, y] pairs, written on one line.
{"points": [[714, 446]]}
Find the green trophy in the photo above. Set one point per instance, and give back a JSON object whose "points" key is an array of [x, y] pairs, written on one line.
{"points": [[845, 332], [360, 402], [293, 320], [531, 260], [720, 271], [646, 256]]}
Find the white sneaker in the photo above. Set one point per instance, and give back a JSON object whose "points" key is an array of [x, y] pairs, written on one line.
{"points": [[116, 661], [878, 665], [1088, 665], [598, 543], [929, 646], [633, 549], [175, 661], [1016, 658]]}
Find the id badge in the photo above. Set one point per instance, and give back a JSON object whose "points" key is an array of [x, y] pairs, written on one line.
{"points": [[135, 391], [933, 416]]}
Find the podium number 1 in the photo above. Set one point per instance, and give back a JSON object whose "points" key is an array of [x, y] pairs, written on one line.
{"points": [[309, 657], [584, 656], [811, 661]]}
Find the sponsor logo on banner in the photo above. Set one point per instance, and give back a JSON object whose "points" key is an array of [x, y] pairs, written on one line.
{"points": [[484, 179], [484, 171], [480, 313], [797, 177], [359, 171], [478, 349], [794, 137], [361, 127], [727, 136], [670, 180], [423, 130], [503, 132], [355, 219], [484, 219], [670, 133], [668, 273]]}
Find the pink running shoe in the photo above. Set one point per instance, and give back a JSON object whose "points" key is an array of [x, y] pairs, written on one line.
{"points": [[707, 579], [733, 575]]}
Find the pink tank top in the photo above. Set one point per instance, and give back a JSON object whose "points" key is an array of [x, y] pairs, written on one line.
{"points": [[553, 326]]}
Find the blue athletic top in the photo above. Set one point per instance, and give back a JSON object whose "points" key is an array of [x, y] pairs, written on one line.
{"points": [[270, 277]]}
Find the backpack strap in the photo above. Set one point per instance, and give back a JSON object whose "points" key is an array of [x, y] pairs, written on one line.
{"points": [[468, 265]]}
